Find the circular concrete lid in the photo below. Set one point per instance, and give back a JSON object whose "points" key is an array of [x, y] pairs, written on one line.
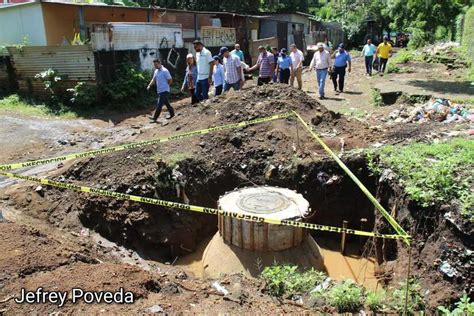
{"points": [[265, 201]]}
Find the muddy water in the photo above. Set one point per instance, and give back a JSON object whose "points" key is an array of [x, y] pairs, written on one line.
{"points": [[338, 266]]}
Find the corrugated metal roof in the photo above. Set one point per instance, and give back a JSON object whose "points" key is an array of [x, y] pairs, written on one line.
{"points": [[128, 36], [72, 63]]}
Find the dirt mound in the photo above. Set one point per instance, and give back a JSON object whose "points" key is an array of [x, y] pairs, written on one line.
{"points": [[32, 252]]}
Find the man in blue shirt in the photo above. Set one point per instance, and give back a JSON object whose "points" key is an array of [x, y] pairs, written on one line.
{"points": [[342, 59], [368, 52], [284, 66], [162, 79]]}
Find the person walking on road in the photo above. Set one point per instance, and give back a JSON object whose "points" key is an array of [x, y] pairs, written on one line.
{"points": [[342, 60], [190, 78], [162, 79], [284, 66], [205, 65], [297, 59], [384, 52], [266, 65], [322, 63], [238, 52], [368, 52], [218, 76], [233, 77]]}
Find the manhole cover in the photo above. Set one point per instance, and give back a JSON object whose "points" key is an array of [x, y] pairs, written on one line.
{"points": [[263, 202]]}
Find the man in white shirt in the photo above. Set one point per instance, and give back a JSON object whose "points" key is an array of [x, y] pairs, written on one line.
{"points": [[205, 67], [297, 59], [321, 62]]}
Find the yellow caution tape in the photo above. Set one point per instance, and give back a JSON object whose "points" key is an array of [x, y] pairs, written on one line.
{"points": [[401, 232], [94, 153], [200, 209]]}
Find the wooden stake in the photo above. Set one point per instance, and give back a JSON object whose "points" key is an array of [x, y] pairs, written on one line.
{"points": [[408, 281], [343, 239]]}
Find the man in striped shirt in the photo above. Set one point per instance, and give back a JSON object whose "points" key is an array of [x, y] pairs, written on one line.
{"points": [[266, 65], [232, 70]]}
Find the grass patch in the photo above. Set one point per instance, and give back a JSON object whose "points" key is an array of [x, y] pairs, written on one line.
{"points": [[376, 97], [173, 159], [287, 280], [24, 106], [415, 301], [375, 301], [433, 173], [393, 69], [403, 56]]}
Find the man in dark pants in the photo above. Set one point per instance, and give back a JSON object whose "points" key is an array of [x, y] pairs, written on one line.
{"points": [[384, 51], [266, 65], [162, 79], [368, 52], [342, 59]]}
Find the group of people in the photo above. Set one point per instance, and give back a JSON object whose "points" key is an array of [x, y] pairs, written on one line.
{"points": [[226, 70], [323, 64]]}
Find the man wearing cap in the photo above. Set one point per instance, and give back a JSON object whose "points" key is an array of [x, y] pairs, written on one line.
{"points": [[205, 64], [321, 62], [238, 52], [297, 59], [232, 70], [384, 51], [284, 66], [266, 65], [342, 60]]}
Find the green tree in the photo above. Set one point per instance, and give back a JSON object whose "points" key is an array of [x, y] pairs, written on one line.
{"points": [[423, 17]]}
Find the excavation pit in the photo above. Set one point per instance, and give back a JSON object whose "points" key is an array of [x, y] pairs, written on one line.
{"points": [[240, 244]]}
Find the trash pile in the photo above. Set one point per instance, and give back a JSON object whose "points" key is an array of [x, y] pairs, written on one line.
{"points": [[438, 110]]}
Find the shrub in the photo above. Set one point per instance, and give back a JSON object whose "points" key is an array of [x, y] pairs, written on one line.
{"points": [[129, 83], [392, 68], [376, 97], [415, 300], [287, 280], [403, 56], [375, 300], [419, 37], [463, 307], [346, 296], [83, 95]]}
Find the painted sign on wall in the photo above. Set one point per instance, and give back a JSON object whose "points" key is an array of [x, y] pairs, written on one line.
{"points": [[218, 36]]}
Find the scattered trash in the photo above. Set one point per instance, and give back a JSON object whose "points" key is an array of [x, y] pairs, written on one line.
{"points": [[220, 288], [84, 232], [387, 174], [323, 286], [181, 275], [447, 269], [439, 110], [155, 309], [38, 188]]}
